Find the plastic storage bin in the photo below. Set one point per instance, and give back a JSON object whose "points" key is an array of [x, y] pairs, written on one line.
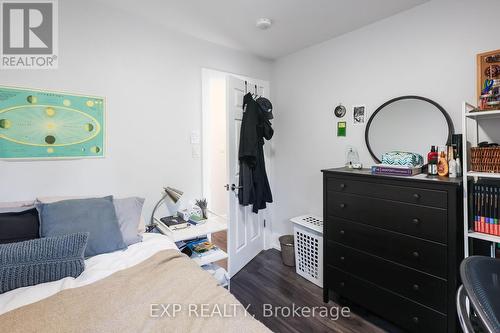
{"points": [[308, 234]]}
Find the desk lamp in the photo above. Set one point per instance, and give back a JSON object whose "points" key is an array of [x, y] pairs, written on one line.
{"points": [[173, 194]]}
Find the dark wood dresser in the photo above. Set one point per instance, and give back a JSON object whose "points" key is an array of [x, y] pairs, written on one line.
{"points": [[393, 246]]}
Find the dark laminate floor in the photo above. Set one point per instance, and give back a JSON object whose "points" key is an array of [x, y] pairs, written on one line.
{"points": [[266, 280]]}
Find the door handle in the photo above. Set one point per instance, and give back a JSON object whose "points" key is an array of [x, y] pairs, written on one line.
{"points": [[232, 187]]}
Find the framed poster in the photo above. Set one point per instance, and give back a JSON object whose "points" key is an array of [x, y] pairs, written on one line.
{"points": [[359, 114], [45, 124]]}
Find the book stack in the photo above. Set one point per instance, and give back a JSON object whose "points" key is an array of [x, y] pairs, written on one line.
{"points": [[201, 247], [173, 223], [486, 208], [395, 170]]}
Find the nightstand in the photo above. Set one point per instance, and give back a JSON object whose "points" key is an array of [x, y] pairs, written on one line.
{"points": [[213, 224]]}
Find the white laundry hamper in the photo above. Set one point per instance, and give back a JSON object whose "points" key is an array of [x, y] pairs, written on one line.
{"points": [[308, 236]]}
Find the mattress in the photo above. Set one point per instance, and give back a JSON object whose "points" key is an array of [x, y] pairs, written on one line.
{"points": [[128, 292], [96, 268]]}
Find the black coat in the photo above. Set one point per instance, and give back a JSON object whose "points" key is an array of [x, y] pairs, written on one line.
{"points": [[253, 182]]}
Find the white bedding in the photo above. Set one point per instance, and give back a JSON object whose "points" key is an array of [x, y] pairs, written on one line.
{"points": [[96, 268]]}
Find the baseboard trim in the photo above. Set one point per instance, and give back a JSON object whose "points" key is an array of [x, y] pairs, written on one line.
{"points": [[275, 244]]}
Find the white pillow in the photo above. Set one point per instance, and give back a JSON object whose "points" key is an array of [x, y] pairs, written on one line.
{"points": [[48, 200], [18, 206], [142, 225]]}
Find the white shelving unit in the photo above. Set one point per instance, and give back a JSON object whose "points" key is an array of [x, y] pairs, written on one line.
{"points": [[471, 139], [209, 258], [481, 114], [486, 237], [483, 174], [213, 224]]}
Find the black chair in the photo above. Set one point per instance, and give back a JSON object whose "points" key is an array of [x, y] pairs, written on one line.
{"points": [[478, 298]]}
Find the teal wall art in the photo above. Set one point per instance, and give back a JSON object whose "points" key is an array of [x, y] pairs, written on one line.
{"points": [[44, 124]]}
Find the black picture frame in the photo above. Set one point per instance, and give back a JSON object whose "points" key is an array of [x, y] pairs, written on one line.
{"points": [[451, 129]]}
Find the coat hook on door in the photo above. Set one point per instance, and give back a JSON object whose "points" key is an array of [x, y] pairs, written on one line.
{"points": [[255, 94]]}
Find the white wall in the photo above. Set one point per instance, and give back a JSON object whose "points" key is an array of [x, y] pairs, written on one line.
{"points": [[429, 51], [152, 81]]}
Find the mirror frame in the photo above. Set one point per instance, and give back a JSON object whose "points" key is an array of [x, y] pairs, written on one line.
{"points": [[451, 129]]}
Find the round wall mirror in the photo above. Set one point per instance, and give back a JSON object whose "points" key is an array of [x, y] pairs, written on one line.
{"points": [[410, 124]]}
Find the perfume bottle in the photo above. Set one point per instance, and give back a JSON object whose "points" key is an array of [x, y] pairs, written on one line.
{"points": [[452, 163], [459, 164], [432, 160], [442, 167], [352, 158]]}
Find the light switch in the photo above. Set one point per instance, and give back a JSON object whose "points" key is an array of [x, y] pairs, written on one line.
{"points": [[196, 151], [195, 137]]}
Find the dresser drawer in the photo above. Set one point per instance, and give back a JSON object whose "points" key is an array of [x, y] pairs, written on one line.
{"points": [[415, 285], [416, 253], [407, 314], [406, 194], [424, 222]]}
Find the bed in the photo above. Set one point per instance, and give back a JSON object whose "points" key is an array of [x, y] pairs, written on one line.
{"points": [[149, 287]]}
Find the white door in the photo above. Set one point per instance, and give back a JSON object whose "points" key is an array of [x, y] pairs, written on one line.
{"points": [[245, 229]]}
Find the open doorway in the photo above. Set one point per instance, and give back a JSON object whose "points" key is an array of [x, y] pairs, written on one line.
{"points": [[214, 156], [222, 98]]}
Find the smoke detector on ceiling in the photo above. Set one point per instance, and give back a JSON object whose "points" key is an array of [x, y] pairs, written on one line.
{"points": [[263, 23]]}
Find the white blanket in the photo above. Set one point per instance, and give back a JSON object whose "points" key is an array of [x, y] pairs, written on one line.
{"points": [[96, 268]]}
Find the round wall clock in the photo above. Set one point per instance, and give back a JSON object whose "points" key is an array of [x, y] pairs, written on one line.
{"points": [[339, 111]]}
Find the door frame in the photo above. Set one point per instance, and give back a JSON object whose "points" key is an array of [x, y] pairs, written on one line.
{"points": [[206, 75]]}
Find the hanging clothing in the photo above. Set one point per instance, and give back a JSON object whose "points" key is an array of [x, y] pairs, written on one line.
{"points": [[253, 182]]}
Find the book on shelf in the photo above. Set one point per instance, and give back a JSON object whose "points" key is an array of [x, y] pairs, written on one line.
{"points": [[196, 220], [185, 243], [486, 208], [396, 170], [170, 224], [202, 247], [174, 222]]}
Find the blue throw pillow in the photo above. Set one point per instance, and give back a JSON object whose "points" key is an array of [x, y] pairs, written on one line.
{"points": [[36, 261], [95, 215]]}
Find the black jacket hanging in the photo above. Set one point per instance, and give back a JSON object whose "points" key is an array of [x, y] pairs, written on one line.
{"points": [[253, 182]]}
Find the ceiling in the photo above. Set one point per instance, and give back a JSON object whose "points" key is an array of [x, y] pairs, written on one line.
{"points": [[296, 23]]}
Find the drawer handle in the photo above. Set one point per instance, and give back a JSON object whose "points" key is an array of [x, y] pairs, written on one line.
{"points": [[342, 232], [342, 205], [415, 320], [342, 186], [416, 287], [415, 221], [342, 258], [416, 196], [415, 254]]}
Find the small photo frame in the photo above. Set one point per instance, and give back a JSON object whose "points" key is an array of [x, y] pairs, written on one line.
{"points": [[359, 114], [341, 128]]}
